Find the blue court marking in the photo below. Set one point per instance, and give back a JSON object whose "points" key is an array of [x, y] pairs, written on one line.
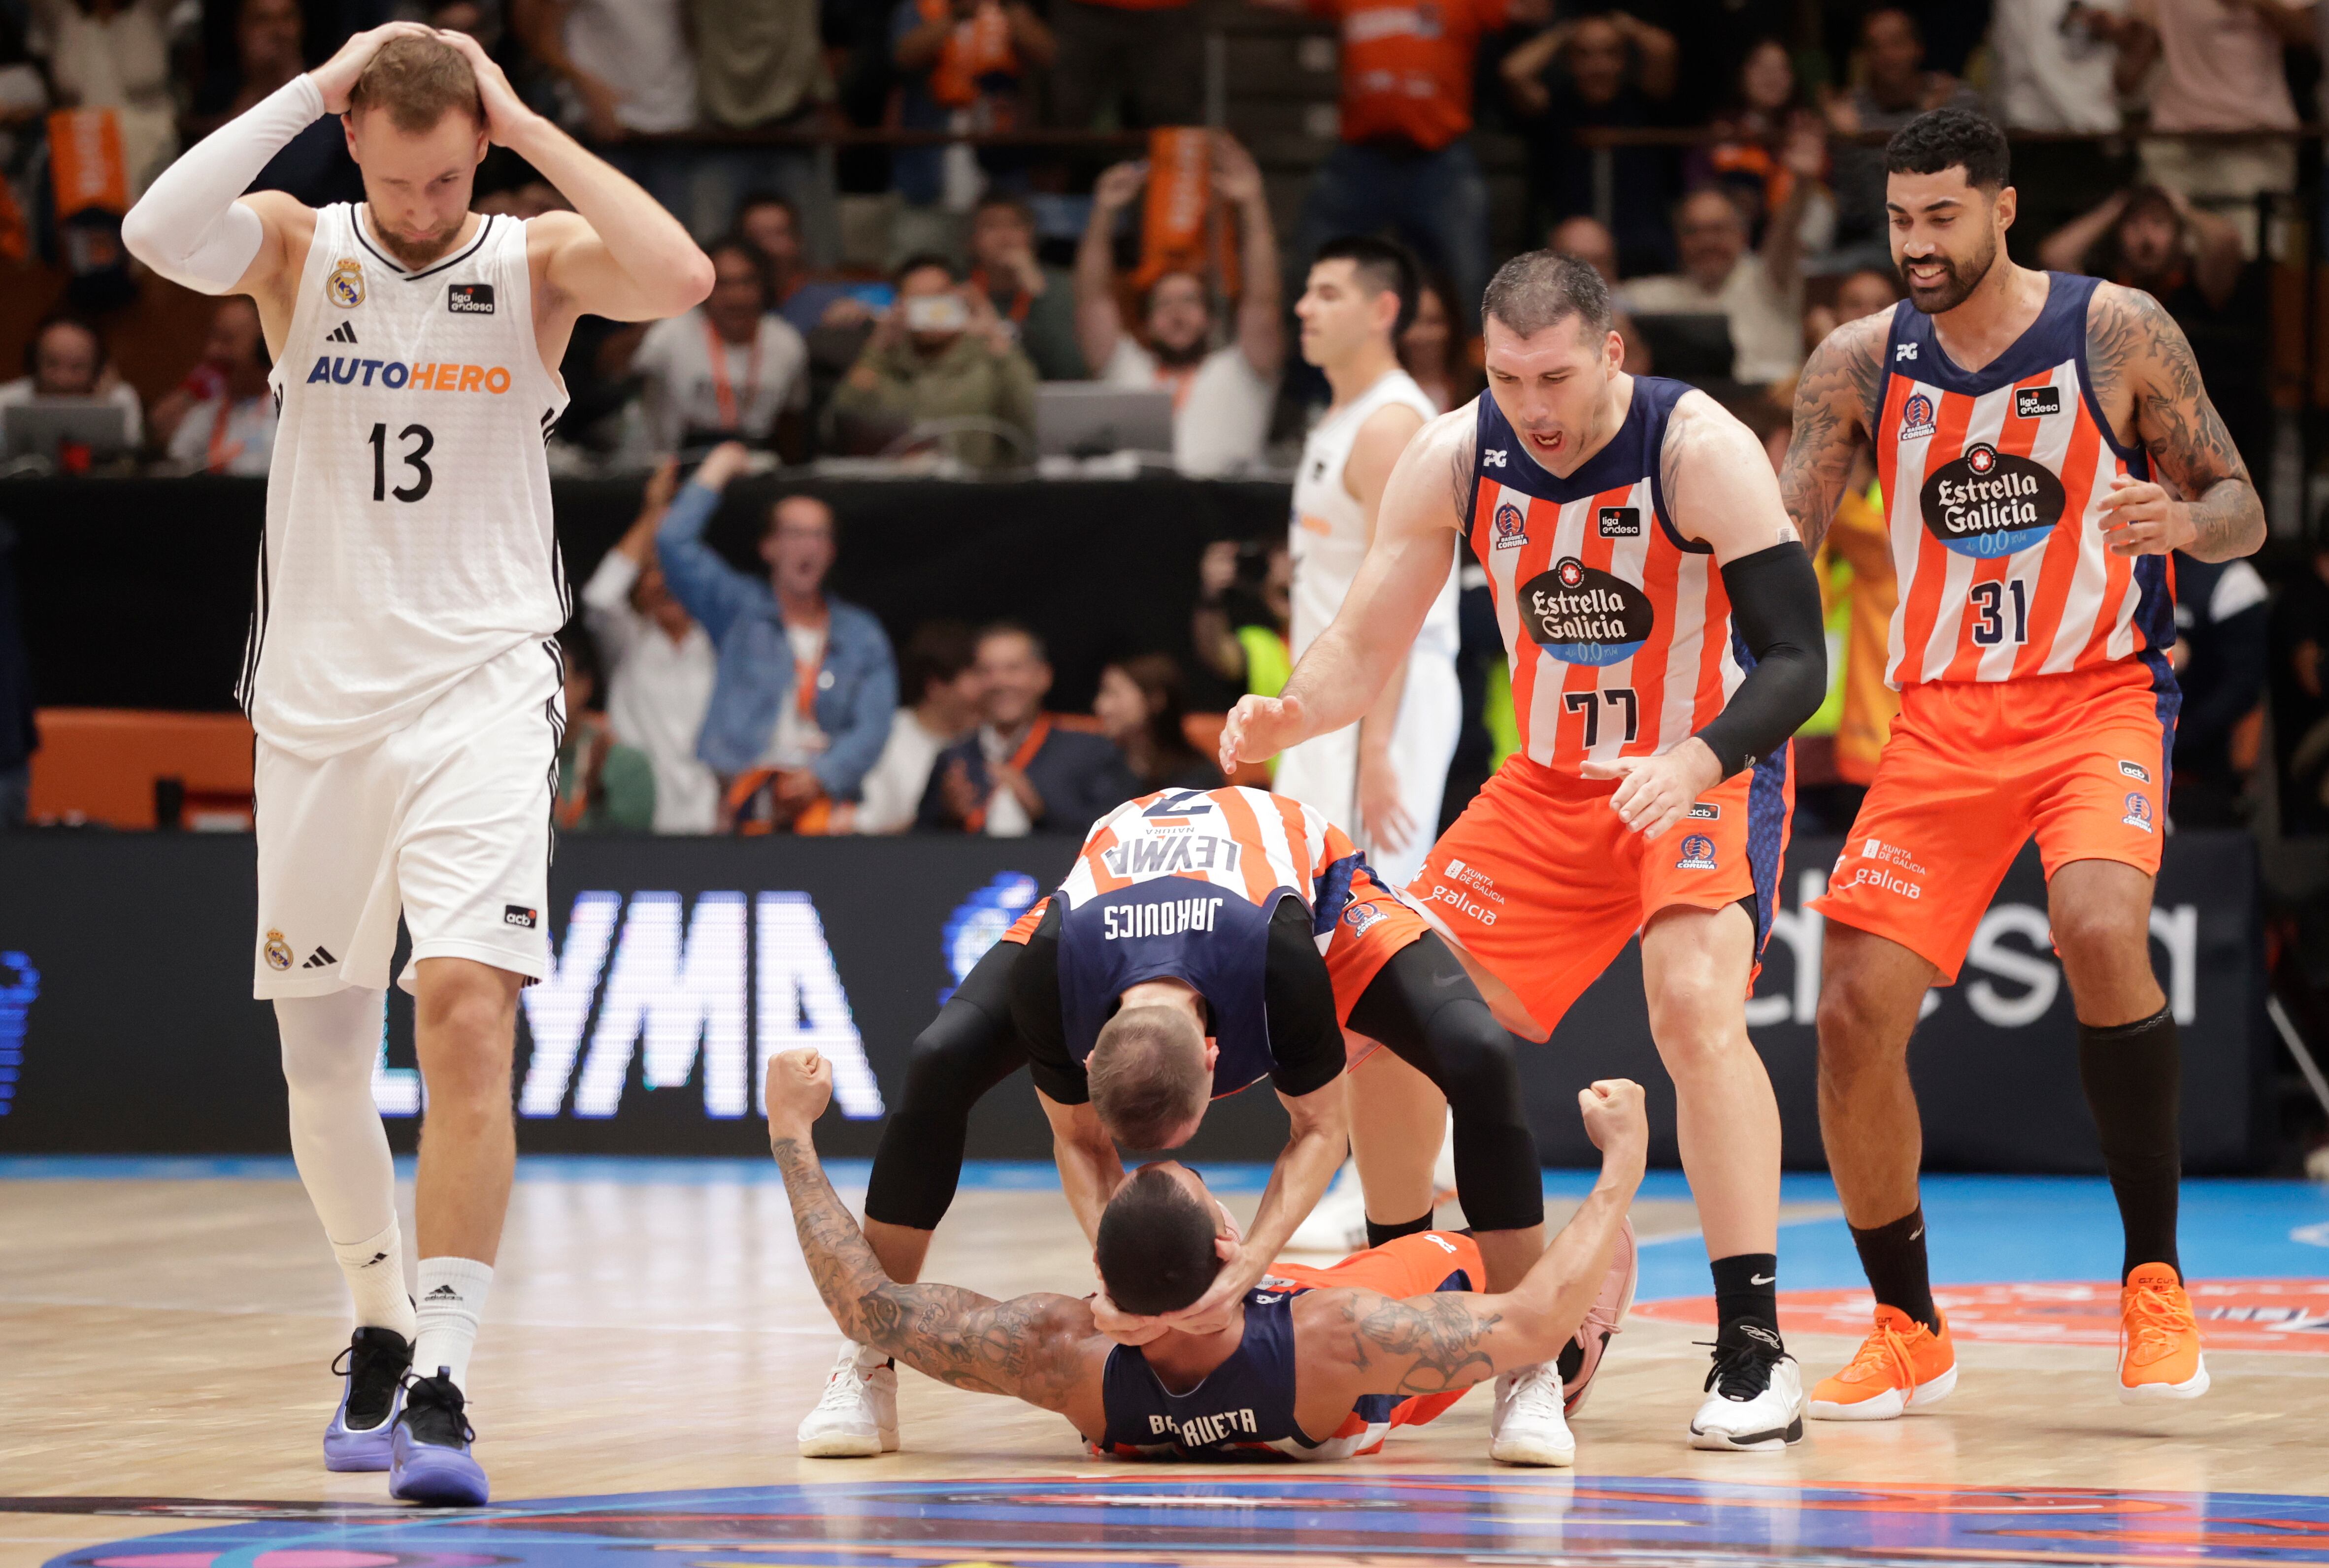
{"points": [[1120, 1517]]}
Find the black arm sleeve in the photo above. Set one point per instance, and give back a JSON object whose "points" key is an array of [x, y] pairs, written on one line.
{"points": [[1775, 602], [1306, 1041], [1035, 1015]]}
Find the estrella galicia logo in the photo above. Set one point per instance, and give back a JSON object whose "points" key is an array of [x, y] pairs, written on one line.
{"points": [[1511, 526], [2138, 811], [1582, 615], [979, 921], [469, 298], [1988, 504], [2036, 402], [1697, 853], [1916, 417], [1620, 523]]}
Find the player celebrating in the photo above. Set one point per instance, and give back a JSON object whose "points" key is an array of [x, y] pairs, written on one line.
{"points": [[1664, 626], [2017, 417], [1315, 1364], [1206, 939], [402, 674]]}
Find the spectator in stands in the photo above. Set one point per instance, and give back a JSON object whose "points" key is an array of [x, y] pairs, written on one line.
{"points": [[660, 665], [801, 704], [2223, 649], [1428, 350], [1221, 397], [759, 65], [1892, 88], [115, 54], [1244, 612], [770, 223], [1759, 293], [2052, 68], [67, 358], [23, 138], [1038, 301], [1145, 59], [938, 672], [221, 420], [603, 784], [1020, 773], [940, 356], [729, 369], [1599, 73], [269, 52], [19, 736], [2300, 696], [1862, 293], [2223, 69], [623, 66], [1405, 160], [965, 65], [1749, 156], [1588, 240], [1142, 705]]}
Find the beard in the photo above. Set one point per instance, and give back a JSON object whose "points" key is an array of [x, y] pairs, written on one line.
{"points": [[1181, 358], [416, 254], [1958, 283]]}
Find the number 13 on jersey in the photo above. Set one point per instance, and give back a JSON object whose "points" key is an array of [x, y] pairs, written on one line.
{"points": [[422, 442]]}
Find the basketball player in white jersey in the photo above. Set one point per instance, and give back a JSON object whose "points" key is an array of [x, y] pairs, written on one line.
{"points": [[402, 673], [1379, 780]]}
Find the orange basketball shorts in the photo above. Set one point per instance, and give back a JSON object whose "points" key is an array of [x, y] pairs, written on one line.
{"points": [[1974, 768], [1541, 879], [1422, 1265]]}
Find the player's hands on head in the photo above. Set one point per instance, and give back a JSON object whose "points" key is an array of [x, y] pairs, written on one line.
{"points": [[725, 461], [336, 77], [1258, 728], [800, 1086], [1123, 1327], [2140, 518], [1653, 792], [1210, 1313], [505, 112], [1617, 1120]]}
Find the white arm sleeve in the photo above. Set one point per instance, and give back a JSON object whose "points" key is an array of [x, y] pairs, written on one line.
{"points": [[188, 226]]}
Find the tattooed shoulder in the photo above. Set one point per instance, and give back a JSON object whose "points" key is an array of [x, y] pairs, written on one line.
{"points": [[1843, 377]]}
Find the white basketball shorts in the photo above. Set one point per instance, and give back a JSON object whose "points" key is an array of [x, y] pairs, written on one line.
{"points": [[444, 822]]}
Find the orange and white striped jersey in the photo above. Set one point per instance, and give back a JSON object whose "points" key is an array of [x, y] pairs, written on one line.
{"points": [[1618, 629], [1994, 481]]}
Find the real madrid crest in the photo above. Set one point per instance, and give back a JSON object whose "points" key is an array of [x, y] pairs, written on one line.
{"points": [[344, 288], [278, 952]]}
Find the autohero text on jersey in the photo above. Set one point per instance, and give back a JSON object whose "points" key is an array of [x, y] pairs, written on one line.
{"points": [[1169, 919], [398, 376]]}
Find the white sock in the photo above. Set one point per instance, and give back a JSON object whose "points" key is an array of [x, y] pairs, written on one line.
{"points": [[375, 1271], [452, 1298]]}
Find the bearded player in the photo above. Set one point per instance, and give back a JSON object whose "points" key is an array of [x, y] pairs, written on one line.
{"points": [[402, 673], [2023, 424], [1663, 627]]}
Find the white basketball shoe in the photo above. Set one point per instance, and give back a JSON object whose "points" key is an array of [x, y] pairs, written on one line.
{"points": [[1754, 1395], [857, 1417], [1525, 1426]]}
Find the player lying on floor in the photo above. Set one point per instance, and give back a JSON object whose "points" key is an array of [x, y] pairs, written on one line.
{"points": [[1320, 1364], [1206, 939]]}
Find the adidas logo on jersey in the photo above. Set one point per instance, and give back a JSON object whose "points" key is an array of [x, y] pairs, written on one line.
{"points": [[395, 375], [346, 332], [320, 959]]}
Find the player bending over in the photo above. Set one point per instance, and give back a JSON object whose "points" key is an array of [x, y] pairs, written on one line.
{"points": [[2023, 423], [1663, 625], [403, 673], [1205, 940], [1319, 1363]]}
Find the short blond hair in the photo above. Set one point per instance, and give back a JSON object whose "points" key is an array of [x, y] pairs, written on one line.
{"points": [[1149, 1081], [419, 81]]}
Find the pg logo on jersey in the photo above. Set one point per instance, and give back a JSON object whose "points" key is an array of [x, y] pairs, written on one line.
{"points": [[345, 286]]}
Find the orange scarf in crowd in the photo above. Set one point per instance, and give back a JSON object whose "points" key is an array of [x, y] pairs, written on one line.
{"points": [[1037, 733], [976, 46]]}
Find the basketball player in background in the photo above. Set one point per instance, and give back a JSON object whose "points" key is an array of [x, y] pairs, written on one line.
{"points": [[2023, 422], [403, 672], [1664, 626], [1379, 780]]}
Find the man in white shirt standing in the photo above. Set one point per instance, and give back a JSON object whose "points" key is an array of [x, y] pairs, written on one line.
{"points": [[938, 670], [1221, 397], [729, 369], [661, 665]]}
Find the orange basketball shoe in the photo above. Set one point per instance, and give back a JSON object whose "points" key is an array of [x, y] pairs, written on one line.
{"points": [[1902, 1366], [2159, 1343]]}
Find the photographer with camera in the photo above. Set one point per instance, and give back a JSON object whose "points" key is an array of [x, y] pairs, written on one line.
{"points": [[939, 356]]}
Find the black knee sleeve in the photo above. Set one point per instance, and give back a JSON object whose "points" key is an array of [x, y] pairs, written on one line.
{"points": [[967, 1049], [1424, 1008]]}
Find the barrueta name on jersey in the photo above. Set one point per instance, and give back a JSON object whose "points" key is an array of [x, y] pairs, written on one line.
{"points": [[1617, 628], [1994, 481]]}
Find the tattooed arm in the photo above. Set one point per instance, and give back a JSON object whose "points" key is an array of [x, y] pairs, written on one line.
{"points": [[2147, 385], [1350, 1342], [1836, 398], [1039, 1348]]}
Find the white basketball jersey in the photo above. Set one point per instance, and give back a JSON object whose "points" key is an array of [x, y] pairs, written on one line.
{"points": [[1330, 528], [409, 539]]}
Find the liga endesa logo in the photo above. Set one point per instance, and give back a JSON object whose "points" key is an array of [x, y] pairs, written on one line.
{"points": [[398, 376]]}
